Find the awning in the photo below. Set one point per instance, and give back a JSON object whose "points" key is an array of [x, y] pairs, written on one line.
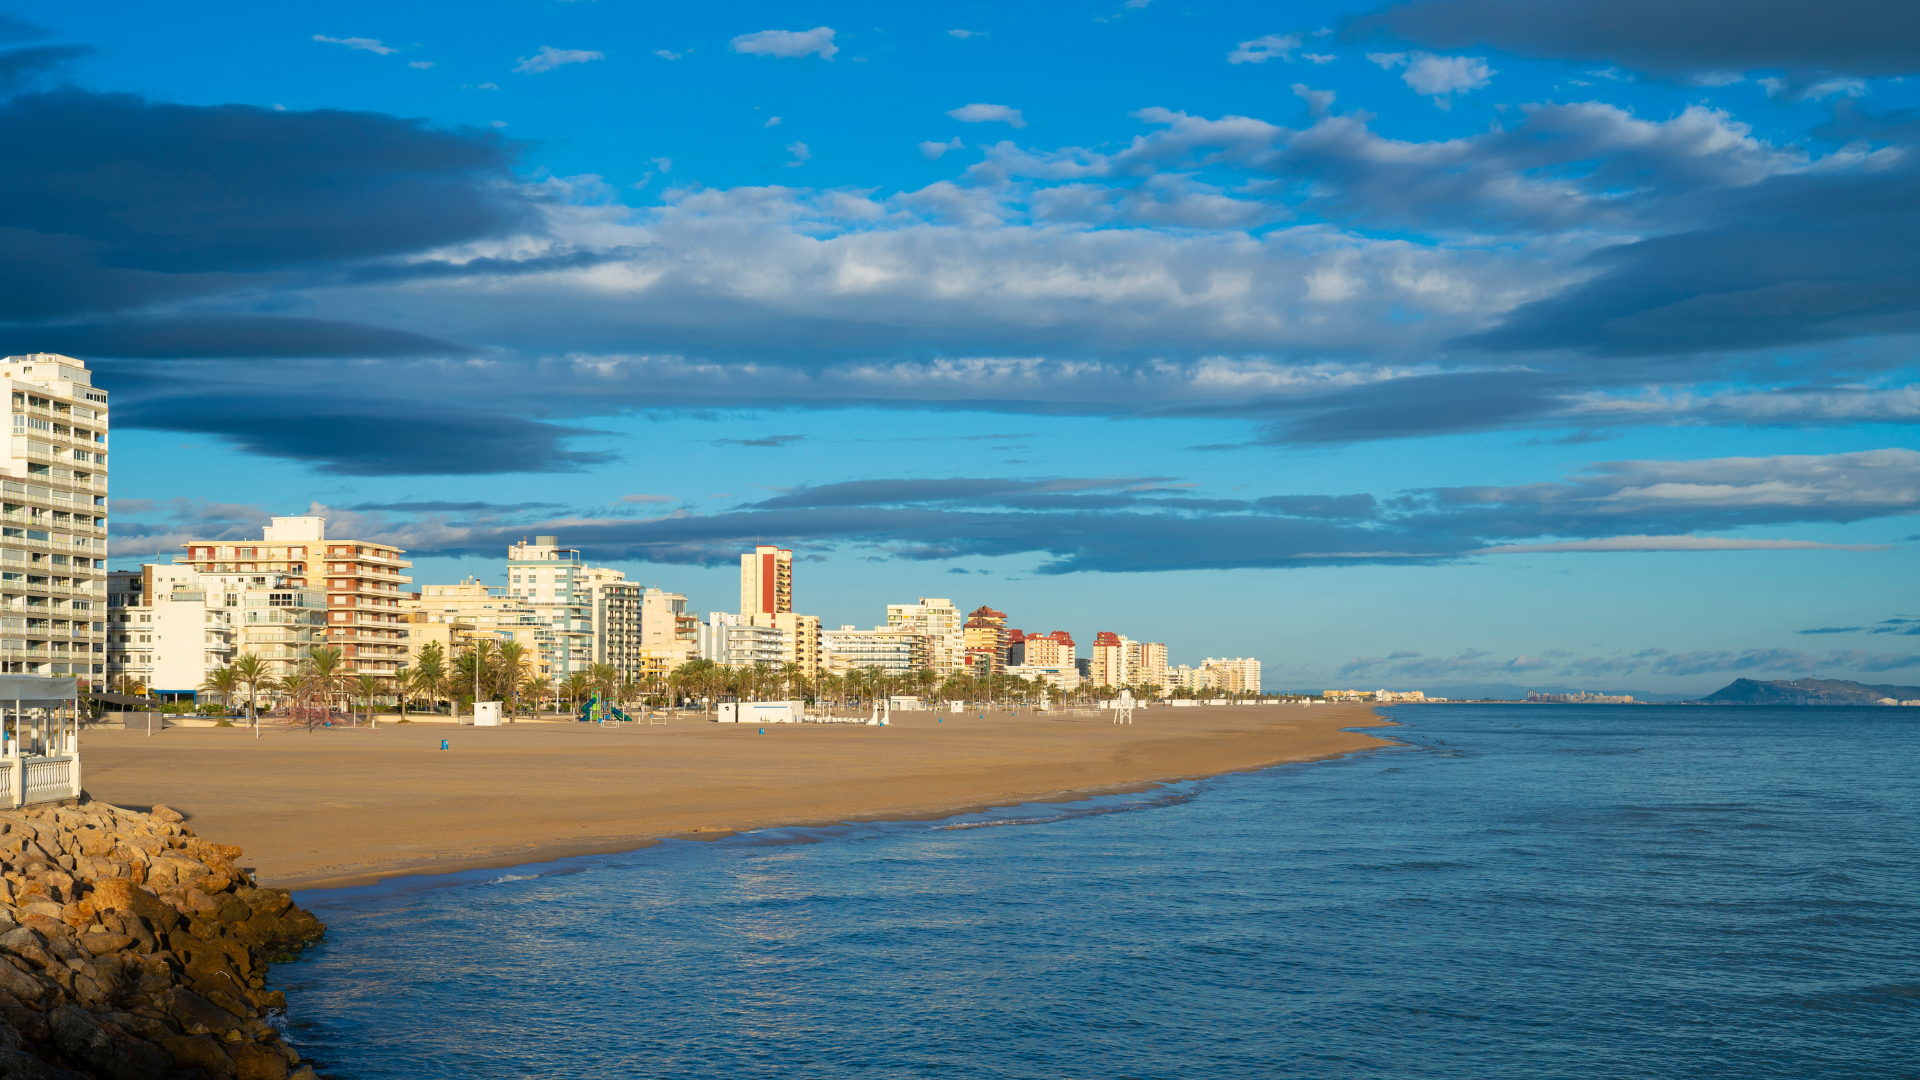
{"points": [[38, 691]]}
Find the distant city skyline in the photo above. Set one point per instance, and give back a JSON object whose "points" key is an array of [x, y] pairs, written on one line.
{"points": [[1406, 348]]}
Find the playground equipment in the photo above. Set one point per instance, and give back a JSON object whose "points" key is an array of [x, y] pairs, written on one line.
{"points": [[600, 712]]}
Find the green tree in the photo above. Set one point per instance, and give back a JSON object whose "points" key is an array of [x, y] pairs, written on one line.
{"points": [[252, 671], [429, 671], [222, 681], [328, 671], [514, 668], [365, 687]]}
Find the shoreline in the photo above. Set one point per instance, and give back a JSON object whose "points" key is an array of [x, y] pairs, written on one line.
{"points": [[353, 808]]}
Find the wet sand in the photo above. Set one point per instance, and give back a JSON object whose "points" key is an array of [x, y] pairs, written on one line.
{"points": [[348, 806]]}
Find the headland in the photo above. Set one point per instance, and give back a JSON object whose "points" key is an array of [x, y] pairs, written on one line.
{"points": [[351, 806]]}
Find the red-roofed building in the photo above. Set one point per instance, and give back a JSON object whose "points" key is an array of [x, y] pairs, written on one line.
{"points": [[986, 641]]}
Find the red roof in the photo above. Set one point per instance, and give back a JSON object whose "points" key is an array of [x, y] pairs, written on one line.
{"points": [[1106, 637], [985, 612], [1061, 636], [1015, 637]]}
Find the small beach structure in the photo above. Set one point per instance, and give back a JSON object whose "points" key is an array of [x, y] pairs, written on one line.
{"points": [[40, 718]]}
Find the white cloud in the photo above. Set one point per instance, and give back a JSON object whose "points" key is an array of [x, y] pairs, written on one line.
{"points": [[488, 86], [933, 150], [372, 45], [1439, 77], [648, 499], [666, 54], [1674, 543], [965, 34], [421, 65], [1319, 102], [664, 164], [497, 123], [549, 58], [772, 121], [1262, 49], [788, 43], [801, 155], [978, 113], [1136, 4], [1319, 58]]}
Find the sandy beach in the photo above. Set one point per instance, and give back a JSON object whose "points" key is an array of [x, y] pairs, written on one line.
{"points": [[349, 806]]}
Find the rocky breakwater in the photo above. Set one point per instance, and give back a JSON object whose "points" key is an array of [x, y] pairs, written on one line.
{"points": [[131, 949]]}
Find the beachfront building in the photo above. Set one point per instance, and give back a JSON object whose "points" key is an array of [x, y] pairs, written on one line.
{"points": [[1041, 650], [361, 579], [939, 621], [1189, 678], [729, 639], [166, 629], [53, 547], [766, 581], [616, 625], [894, 650], [576, 603], [1147, 661], [985, 638], [1237, 675], [666, 625], [1110, 662], [454, 616], [799, 639], [1066, 678]]}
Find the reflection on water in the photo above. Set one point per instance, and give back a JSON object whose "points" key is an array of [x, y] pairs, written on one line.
{"points": [[1523, 892]]}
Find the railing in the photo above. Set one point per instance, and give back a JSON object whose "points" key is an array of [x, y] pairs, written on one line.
{"points": [[48, 780]]}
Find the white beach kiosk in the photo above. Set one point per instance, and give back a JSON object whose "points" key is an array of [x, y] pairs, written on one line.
{"points": [[39, 719]]}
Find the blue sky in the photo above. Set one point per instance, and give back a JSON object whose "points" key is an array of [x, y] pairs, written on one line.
{"points": [[1459, 342]]}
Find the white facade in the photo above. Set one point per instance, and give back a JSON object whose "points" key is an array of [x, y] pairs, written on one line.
{"points": [[1065, 678], [53, 548], [939, 620], [566, 594], [1234, 675], [166, 628], [728, 639]]}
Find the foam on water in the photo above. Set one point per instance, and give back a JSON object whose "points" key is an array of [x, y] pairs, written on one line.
{"points": [[1568, 891]]}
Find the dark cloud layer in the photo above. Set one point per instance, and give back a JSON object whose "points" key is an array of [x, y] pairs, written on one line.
{"points": [[374, 440], [225, 337], [1855, 37]]}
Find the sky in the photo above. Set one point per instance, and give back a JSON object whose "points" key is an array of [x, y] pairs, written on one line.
{"points": [[1445, 344]]}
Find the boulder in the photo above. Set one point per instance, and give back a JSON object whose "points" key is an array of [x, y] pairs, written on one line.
{"points": [[198, 1052], [18, 1065], [166, 814], [196, 1015], [107, 1050], [100, 944]]}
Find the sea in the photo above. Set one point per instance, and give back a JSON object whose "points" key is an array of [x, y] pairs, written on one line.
{"points": [[1518, 891]]}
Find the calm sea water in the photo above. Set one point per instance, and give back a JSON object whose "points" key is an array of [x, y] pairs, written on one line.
{"points": [[1524, 892]]}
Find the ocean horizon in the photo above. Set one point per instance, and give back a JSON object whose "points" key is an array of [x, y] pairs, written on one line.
{"points": [[1531, 891]]}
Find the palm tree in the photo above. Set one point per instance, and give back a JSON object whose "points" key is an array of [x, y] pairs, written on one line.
{"points": [[538, 687], [222, 681], [470, 671], [128, 685], [252, 671], [429, 668], [366, 686], [577, 686], [514, 668], [325, 667]]}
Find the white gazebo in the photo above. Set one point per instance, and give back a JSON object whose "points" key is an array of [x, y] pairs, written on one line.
{"points": [[40, 722]]}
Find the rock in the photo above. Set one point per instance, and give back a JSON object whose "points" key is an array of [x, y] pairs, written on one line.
{"points": [[198, 1052], [304, 1072], [16, 1065], [100, 944], [107, 1051], [197, 1015], [166, 814], [234, 911], [256, 1061]]}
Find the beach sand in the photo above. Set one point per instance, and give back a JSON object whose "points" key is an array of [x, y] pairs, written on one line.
{"points": [[350, 806]]}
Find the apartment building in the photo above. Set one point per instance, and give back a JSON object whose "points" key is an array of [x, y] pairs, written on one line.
{"points": [[939, 621], [766, 581], [362, 581], [894, 650], [1186, 677], [1041, 650], [985, 638], [729, 639], [1065, 678], [617, 612], [665, 623], [1109, 662], [561, 588], [800, 640], [53, 498], [166, 629], [1236, 675], [454, 616], [1147, 661]]}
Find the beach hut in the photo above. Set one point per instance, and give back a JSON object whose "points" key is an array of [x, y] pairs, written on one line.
{"points": [[39, 718]]}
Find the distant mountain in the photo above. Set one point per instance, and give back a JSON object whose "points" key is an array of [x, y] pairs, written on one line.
{"points": [[1807, 692]]}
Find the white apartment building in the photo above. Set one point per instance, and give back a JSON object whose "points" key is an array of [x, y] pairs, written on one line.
{"points": [[53, 498], [1187, 677], [166, 628], [1065, 678], [578, 604], [892, 649], [1148, 661], [729, 639], [940, 621], [1236, 675]]}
